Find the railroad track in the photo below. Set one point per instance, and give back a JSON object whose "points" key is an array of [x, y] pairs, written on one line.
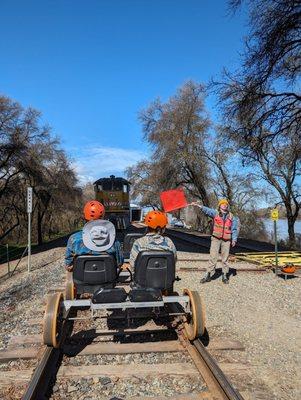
{"points": [[72, 362], [198, 363], [180, 359]]}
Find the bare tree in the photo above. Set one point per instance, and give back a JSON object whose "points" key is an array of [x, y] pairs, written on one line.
{"points": [[88, 192], [54, 184], [19, 131], [279, 163], [177, 131], [237, 184], [261, 102], [229, 179], [145, 178], [185, 154], [280, 166], [266, 91], [29, 156]]}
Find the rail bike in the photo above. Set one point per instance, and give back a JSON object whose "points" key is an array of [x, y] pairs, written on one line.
{"points": [[149, 287]]}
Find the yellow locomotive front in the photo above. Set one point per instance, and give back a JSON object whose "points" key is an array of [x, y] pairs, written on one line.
{"points": [[113, 193]]}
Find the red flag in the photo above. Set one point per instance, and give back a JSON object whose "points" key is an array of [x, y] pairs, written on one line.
{"points": [[173, 199]]}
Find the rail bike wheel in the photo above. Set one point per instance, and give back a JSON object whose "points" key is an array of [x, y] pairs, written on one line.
{"points": [[195, 324], [70, 291], [53, 324]]}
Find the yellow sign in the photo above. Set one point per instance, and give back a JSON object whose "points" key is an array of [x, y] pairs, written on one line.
{"points": [[274, 214]]}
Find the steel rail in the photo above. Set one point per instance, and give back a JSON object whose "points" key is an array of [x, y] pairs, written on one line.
{"points": [[216, 373], [42, 374], [46, 368], [49, 363]]}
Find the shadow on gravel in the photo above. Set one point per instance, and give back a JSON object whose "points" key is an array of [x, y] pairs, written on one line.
{"points": [[287, 277], [143, 337], [218, 273], [205, 339], [135, 319], [232, 272], [122, 325], [78, 341]]}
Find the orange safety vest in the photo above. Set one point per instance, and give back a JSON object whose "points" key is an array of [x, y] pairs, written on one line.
{"points": [[222, 227]]}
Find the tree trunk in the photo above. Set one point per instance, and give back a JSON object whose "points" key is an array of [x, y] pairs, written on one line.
{"points": [[291, 219], [39, 227], [291, 231], [9, 230]]}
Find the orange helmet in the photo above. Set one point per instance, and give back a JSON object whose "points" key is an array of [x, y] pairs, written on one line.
{"points": [[156, 219], [93, 210]]}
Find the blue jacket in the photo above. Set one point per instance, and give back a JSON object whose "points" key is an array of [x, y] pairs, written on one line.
{"points": [[76, 247], [211, 212]]}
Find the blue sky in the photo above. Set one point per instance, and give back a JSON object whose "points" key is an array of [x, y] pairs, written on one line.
{"points": [[90, 66]]}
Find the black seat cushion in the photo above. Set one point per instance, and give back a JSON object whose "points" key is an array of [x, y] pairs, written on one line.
{"points": [[116, 295], [155, 269], [92, 272], [145, 294]]}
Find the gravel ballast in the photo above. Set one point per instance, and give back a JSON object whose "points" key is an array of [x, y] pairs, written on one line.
{"points": [[264, 313], [260, 310], [22, 299]]}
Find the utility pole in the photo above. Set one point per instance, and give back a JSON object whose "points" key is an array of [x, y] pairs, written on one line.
{"points": [[275, 217]]}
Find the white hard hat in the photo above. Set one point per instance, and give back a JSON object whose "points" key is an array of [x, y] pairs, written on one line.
{"points": [[99, 235]]}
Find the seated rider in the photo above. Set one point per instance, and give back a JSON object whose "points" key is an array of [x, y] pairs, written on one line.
{"points": [[95, 235], [156, 222]]}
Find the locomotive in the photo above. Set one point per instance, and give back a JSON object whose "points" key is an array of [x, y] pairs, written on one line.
{"points": [[114, 194]]}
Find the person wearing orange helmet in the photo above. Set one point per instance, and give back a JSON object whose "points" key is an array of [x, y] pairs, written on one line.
{"points": [[224, 235], [93, 236], [93, 210], [154, 239]]}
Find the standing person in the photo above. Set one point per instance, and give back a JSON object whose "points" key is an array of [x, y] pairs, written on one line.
{"points": [[224, 235]]}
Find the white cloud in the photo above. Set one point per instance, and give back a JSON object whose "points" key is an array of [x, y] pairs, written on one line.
{"points": [[91, 163]]}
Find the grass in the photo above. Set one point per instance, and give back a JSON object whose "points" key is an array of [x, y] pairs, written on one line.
{"points": [[16, 250]]}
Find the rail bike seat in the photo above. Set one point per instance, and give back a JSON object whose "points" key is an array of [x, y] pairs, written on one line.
{"points": [[128, 242], [154, 272], [93, 272]]}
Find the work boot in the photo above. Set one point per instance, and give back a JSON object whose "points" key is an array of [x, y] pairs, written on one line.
{"points": [[225, 279], [206, 278]]}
